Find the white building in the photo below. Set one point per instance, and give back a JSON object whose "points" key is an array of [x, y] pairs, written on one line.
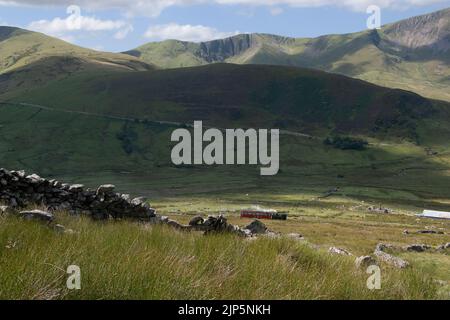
{"points": [[435, 214]]}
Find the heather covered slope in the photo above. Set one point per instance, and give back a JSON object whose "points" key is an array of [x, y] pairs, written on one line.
{"points": [[412, 54], [285, 97]]}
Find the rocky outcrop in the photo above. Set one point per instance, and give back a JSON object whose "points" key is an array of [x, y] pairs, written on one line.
{"points": [[426, 31], [389, 258], [18, 190]]}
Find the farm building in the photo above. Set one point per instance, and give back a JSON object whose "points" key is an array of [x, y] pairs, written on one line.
{"points": [[435, 214]]}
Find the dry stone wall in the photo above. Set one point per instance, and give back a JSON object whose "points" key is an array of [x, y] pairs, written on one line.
{"points": [[18, 190]]}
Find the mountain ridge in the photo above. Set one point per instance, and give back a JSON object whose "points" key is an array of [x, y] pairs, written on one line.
{"points": [[412, 54]]}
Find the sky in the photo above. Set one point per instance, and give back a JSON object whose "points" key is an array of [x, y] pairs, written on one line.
{"points": [[120, 25]]}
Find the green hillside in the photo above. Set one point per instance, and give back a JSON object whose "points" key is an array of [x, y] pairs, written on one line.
{"points": [[20, 48], [30, 59], [117, 129], [400, 55], [304, 100]]}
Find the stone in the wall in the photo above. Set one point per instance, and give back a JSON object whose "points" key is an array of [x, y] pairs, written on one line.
{"points": [[38, 215]]}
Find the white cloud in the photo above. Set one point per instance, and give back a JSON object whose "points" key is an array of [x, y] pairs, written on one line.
{"points": [[186, 32], [275, 11], [154, 7], [123, 33], [76, 22]]}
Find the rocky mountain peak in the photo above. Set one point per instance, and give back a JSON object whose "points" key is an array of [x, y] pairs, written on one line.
{"points": [[430, 30]]}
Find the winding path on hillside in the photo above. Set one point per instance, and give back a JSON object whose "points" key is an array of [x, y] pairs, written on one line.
{"points": [[121, 118]]}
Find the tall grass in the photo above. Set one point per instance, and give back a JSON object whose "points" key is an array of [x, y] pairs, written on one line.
{"points": [[126, 260]]}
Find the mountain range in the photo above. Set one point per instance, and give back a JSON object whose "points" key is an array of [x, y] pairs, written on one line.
{"points": [[75, 112], [413, 54]]}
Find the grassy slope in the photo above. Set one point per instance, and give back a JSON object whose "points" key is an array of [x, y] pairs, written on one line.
{"points": [[29, 60], [382, 57], [19, 48], [128, 261]]}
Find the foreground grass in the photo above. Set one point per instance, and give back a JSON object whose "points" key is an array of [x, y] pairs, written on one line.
{"points": [[125, 260]]}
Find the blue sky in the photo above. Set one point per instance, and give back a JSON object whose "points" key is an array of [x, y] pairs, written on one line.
{"points": [[119, 25]]}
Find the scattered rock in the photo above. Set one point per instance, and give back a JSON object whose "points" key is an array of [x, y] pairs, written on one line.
{"points": [[384, 247], [256, 227], [4, 209], [380, 210], [340, 251], [389, 258], [37, 215], [63, 230], [405, 232], [430, 232], [444, 246], [59, 228], [417, 248], [365, 261], [295, 236]]}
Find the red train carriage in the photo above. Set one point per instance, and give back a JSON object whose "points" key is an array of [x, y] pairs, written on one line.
{"points": [[255, 214]]}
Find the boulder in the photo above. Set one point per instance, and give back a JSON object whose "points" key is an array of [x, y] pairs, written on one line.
{"points": [[4, 209], [389, 258], [417, 247], [256, 227], [197, 220], [365, 261], [61, 229], [295, 236], [430, 232], [340, 251], [37, 215]]}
